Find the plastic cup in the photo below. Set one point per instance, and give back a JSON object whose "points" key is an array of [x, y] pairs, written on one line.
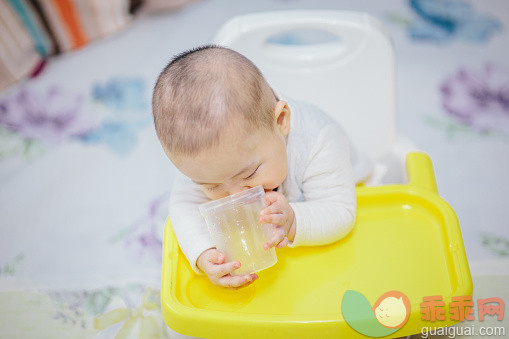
{"points": [[235, 227]]}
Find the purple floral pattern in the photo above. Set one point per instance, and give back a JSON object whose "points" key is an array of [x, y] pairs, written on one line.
{"points": [[145, 236], [52, 116], [30, 117], [478, 98]]}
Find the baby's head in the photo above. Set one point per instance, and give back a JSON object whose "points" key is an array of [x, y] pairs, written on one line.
{"points": [[220, 123]]}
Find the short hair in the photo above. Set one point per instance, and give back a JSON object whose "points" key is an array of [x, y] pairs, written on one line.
{"points": [[202, 91]]}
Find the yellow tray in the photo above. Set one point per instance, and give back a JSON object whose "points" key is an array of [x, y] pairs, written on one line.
{"points": [[406, 238]]}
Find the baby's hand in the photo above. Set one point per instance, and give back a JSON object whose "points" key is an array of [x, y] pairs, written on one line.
{"points": [[211, 262], [280, 214]]}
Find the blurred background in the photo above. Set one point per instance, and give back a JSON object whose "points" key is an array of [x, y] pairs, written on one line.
{"points": [[84, 182]]}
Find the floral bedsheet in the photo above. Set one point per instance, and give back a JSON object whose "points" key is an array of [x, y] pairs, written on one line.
{"points": [[84, 182]]}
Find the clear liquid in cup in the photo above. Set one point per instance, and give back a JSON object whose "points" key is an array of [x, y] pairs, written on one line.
{"points": [[237, 232]]}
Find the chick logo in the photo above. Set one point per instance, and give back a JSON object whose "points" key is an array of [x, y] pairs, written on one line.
{"points": [[389, 314]]}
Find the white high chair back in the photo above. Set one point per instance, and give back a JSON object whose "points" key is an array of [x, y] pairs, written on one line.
{"points": [[342, 62]]}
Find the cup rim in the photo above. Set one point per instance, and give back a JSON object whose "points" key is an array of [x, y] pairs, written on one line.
{"points": [[237, 199]]}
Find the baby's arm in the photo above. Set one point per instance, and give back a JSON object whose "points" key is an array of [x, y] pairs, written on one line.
{"points": [[189, 227], [327, 212]]}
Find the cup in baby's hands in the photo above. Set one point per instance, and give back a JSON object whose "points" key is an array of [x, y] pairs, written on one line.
{"points": [[235, 227]]}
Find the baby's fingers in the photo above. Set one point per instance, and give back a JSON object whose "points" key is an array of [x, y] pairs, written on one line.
{"points": [[283, 243], [224, 269], [237, 281], [272, 209], [217, 258], [271, 197], [276, 219], [276, 239]]}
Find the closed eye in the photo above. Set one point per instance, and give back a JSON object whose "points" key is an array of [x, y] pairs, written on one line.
{"points": [[253, 174]]}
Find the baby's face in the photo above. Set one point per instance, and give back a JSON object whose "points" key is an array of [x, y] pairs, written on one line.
{"points": [[241, 161]]}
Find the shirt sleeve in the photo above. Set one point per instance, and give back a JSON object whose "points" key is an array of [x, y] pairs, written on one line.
{"points": [[188, 225], [327, 210]]}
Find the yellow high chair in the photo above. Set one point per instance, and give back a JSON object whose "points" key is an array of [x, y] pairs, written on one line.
{"points": [[406, 238]]}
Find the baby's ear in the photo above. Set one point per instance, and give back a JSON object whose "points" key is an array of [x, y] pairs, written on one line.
{"points": [[282, 115]]}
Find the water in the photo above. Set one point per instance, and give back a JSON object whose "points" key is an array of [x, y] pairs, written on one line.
{"points": [[239, 235]]}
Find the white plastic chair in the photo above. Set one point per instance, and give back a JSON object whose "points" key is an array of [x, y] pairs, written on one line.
{"points": [[342, 62]]}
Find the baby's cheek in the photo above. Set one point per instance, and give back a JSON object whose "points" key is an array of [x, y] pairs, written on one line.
{"points": [[213, 195]]}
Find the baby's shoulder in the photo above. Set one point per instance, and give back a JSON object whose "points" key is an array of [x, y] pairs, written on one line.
{"points": [[308, 119]]}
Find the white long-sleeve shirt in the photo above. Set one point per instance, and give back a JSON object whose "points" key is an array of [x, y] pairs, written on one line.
{"points": [[320, 186]]}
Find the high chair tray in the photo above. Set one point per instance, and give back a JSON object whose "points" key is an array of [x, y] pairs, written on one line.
{"points": [[406, 238]]}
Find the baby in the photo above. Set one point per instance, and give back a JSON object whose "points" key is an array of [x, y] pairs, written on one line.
{"points": [[226, 130]]}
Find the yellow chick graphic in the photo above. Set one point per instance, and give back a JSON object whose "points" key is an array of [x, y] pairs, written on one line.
{"points": [[392, 309]]}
